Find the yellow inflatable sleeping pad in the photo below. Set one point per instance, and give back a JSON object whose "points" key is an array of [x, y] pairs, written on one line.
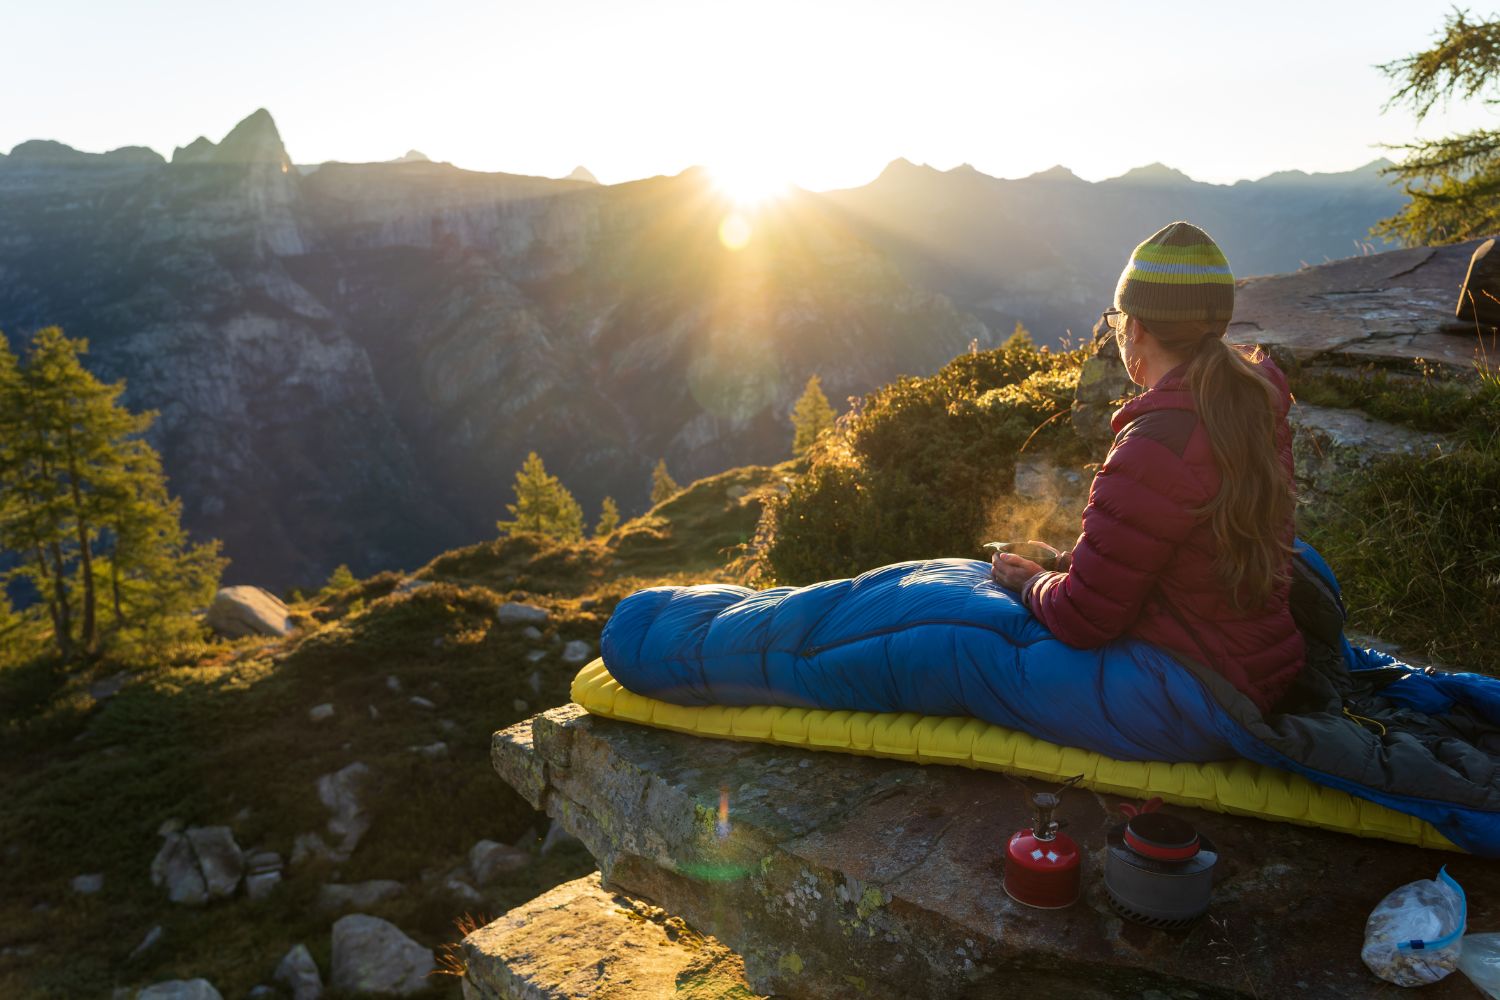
{"points": [[1238, 787]]}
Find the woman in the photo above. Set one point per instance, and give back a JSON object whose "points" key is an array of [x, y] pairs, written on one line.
{"points": [[1187, 536]]}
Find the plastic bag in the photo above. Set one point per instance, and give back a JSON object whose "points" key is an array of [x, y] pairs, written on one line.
{"points": [[1414, 936], [1479, 959]]}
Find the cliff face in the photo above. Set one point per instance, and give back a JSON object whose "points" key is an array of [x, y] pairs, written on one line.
{"points": [[351, 362]]}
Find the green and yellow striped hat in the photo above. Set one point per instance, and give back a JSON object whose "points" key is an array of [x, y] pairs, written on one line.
{"points": [[1179, 274]]}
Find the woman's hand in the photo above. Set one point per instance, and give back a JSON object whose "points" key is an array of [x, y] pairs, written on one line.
{"points": [[1012, 571]]}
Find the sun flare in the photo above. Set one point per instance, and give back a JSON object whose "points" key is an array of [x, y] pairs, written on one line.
{"points": [[749, 184]]}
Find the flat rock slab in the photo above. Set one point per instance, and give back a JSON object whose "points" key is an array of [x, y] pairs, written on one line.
{"points": [[1389, 306], [834, 875], [582, 942]]}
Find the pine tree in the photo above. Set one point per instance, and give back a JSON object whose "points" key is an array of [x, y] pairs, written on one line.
{"points": [[1453, 182], [342, 578], [609, 518], [810, 417], [663, 486], [543, 504], [83, 502], [1019, 338]]}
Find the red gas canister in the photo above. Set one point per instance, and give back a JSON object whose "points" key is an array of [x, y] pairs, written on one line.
{"points": [[1041, 864]]}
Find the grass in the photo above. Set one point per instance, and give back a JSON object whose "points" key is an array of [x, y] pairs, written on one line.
{"points": [[217, 733]]}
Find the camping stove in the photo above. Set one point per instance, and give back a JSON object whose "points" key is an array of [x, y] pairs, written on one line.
{"points": [[1042, 865], [1158, 870]]}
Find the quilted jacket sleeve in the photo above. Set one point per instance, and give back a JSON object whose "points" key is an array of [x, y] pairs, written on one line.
{"points": [[1140, 509]]}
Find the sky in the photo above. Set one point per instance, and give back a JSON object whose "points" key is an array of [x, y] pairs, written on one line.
{"points": [[821, 93]]}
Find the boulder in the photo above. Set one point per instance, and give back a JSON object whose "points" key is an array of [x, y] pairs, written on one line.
{"points": [[371, 955], [516, 613], [488, 859], [175, 868], [584, 942], [180, 989], [576, 653], [1328, 443], [241, 611], [262, 884], [320, 712], [832, 865], [532, 632], [312, 846], [340, 793], [358, 895], [459, 889], [219, 858], [299, 974]]}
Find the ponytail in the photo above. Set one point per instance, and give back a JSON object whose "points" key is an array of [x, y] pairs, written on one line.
{"points": [[1256, 499]]}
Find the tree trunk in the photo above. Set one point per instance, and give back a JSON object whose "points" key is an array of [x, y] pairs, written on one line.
{"points": [[54, 609], [64, 612], [88, 636], [114, 585]]}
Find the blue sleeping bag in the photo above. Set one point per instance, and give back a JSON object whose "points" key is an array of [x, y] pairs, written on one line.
{"points": [[938, 637]]}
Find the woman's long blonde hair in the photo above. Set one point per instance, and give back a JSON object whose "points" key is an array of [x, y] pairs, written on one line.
{"points": [[1257, 499]]}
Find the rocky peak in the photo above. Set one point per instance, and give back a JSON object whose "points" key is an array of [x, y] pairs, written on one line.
{"points": [[255, 141], [49, 153], [1057, 172], [413, 156], [1153, 174], [582, 173]]}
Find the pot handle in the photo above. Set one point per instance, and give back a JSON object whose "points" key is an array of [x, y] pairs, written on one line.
{"points": [[1132, 811]]}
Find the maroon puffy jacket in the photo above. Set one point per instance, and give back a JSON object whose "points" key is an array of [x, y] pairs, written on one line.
{"points": [[1144, 564]]}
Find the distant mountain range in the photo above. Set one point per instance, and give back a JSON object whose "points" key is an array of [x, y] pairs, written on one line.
{"points": [[351, 360]]}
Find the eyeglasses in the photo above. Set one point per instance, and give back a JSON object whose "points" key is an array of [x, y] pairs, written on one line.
{"points": [[1114, 323]]}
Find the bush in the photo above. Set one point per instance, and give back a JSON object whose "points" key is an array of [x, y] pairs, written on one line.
{"points": [[1415, 541], [916, 471]]}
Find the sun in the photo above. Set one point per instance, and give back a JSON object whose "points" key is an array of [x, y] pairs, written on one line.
{"points": [[749, 184]]}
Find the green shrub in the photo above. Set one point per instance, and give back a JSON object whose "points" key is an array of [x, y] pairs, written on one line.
{"points": [[1415, 541], [918, 469]]}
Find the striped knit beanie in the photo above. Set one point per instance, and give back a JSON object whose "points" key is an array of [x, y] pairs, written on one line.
{"points": [[1179, 274]]}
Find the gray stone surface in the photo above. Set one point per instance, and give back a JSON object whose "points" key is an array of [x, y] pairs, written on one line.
{"points": [[88, 885], [320, 712], [358, 895], [583, 942], [516, 613], [151, 940], [832, 866], [1390, 306], [340, 794], [373, 956], [1328, 443], [488, 859], [219, 858], [299, 974], [577, 652], [242, 611], [180, 989], [259, 885], [175, 869]]}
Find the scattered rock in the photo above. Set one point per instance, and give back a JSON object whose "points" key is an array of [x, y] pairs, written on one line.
{"points": [[520, 705], [371, 955], [557, 836], [411, 585], [219, 858], [88, 885], [588, 604], [577, 652], [448, 725], [107, 687], [536, 656], [320, 712], [535, 680], [421, 702], [487, 859], [242, 611], [176, 868], [358, 895], [340, 792], [374, 714], [169, 826], [1328, 443], [180, 989], [516, 613], [393, 683], [464, 891], [262, 990], [18, 951], [309, 846], [299, 973], [151, 940], [532, 632], [432, 751], [260, 885]]}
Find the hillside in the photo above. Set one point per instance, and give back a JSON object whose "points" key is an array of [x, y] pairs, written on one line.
{"points": [[416, 672], [351, 362]]}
